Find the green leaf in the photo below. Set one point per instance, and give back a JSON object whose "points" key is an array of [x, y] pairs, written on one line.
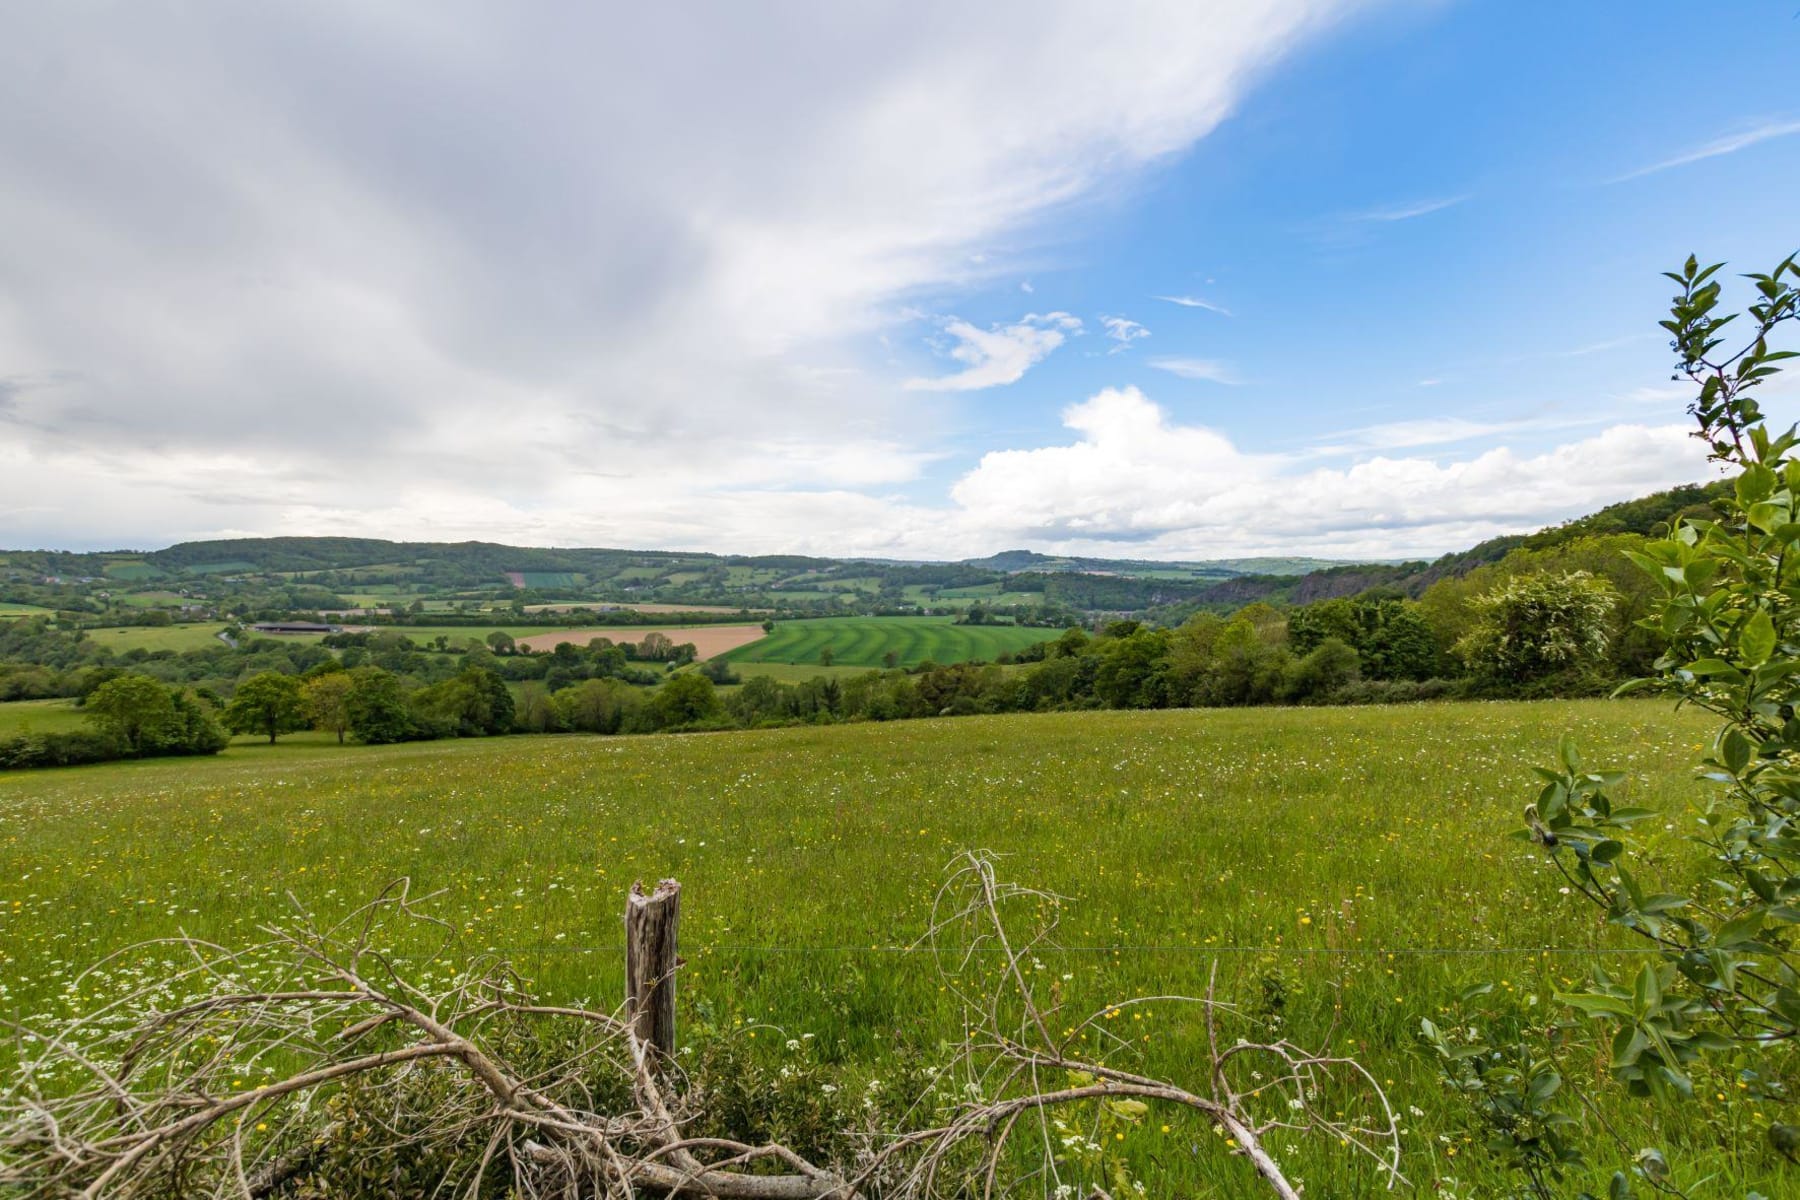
{"points": [[1734, 751], [1757, 640]]}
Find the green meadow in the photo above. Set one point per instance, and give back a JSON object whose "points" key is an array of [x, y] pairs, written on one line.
{"points": [[1344, 871], [865, 641], [40, 716]]}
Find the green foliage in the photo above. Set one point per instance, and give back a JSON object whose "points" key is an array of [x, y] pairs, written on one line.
{"points": [[269, 704], [474, 703], [375, 708], [597, 706], [327, 700], [1535, 626], [686, 700], [1390, 637], [142, 717], [1510, 1090], [135, 710], [1725, 981]]}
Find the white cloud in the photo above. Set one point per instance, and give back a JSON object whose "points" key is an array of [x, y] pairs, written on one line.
{"points": [[1134, 482], [465, 252], [1195, 302], [1406, 212], [1730, 143], [1123, 331], [1000, 354], [1210, 369]]}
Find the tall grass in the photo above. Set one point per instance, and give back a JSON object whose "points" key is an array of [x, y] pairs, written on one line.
{"points": [[1344, 870]]}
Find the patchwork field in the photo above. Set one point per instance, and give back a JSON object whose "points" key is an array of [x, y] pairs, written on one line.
{"points": [[643, 608], [1343, 869], [708, 640], [865, 641]]}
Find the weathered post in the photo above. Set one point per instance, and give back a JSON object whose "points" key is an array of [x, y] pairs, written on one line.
{"points": [[650, 962]]}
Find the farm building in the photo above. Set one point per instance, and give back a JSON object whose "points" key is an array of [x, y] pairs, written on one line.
{"points": [[294, 627]]}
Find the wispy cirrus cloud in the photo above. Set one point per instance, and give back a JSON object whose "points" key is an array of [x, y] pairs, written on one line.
{"points": [[1404, 211], [1123, 331], [1729, 143], [1212, 370], [1000, 354], [1195, 302]]}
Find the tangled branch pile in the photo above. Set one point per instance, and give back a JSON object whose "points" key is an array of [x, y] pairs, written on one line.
{"points": [[291, 1066]]}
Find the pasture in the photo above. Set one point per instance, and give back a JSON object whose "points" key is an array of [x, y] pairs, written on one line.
{"points": [[864, 641], [197, 635], [40, 716], [1343, 870]]}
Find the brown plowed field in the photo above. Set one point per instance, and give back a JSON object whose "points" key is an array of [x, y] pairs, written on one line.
{"points": [[708, 639]]}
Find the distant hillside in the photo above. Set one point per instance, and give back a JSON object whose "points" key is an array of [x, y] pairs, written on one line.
{"points": [[1013, 561], [1648, 515], [303, 573]]}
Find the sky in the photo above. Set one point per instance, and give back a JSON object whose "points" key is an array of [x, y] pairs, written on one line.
{"points": [[915, 280]]}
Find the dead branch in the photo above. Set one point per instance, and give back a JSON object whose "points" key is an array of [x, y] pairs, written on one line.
{"points": [[237, 1073]]}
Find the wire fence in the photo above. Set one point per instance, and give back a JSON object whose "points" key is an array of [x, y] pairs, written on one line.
{"points": [[1051, 951]]}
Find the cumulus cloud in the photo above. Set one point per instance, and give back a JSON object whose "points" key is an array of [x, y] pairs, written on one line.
{"points": [[1000, 354], [1134, 480], [1123, 331]]}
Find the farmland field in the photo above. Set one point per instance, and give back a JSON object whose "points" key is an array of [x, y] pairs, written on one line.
{"points": [[196, 636], [708, 640], [10, 610], [862, 641], [40, 716], [1346, 866]]}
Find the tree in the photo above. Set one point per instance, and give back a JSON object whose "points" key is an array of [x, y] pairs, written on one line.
{"points": [[596, 705], [376, 707], [327, 700], [501, 642], [768, 627], [1327, 667], [473, 703], [686, 700], [269, 703], [1725, 979], [134, 709], [1539, 625], [826, 656]]}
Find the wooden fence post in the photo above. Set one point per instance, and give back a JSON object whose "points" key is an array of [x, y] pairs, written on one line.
{"points": [[650, 961]]}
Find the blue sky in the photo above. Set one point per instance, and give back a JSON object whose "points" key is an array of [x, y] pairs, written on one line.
{"points": [[1444, 213], [1371, 280]]}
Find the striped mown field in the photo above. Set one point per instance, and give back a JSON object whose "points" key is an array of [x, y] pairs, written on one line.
{"points": [[865, 641]]}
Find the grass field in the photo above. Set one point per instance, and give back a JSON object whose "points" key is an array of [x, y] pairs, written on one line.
{"points": [[9, 610], [794, 672], [196, 636], [1351, 861], [862, 641], [40, 716]]}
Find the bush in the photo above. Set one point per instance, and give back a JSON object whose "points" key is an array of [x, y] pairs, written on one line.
{"points": [[58, 750]]}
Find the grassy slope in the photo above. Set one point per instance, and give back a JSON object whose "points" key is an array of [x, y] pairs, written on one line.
{"points": [[861, 641], [1327, 837], [40, 716]]}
